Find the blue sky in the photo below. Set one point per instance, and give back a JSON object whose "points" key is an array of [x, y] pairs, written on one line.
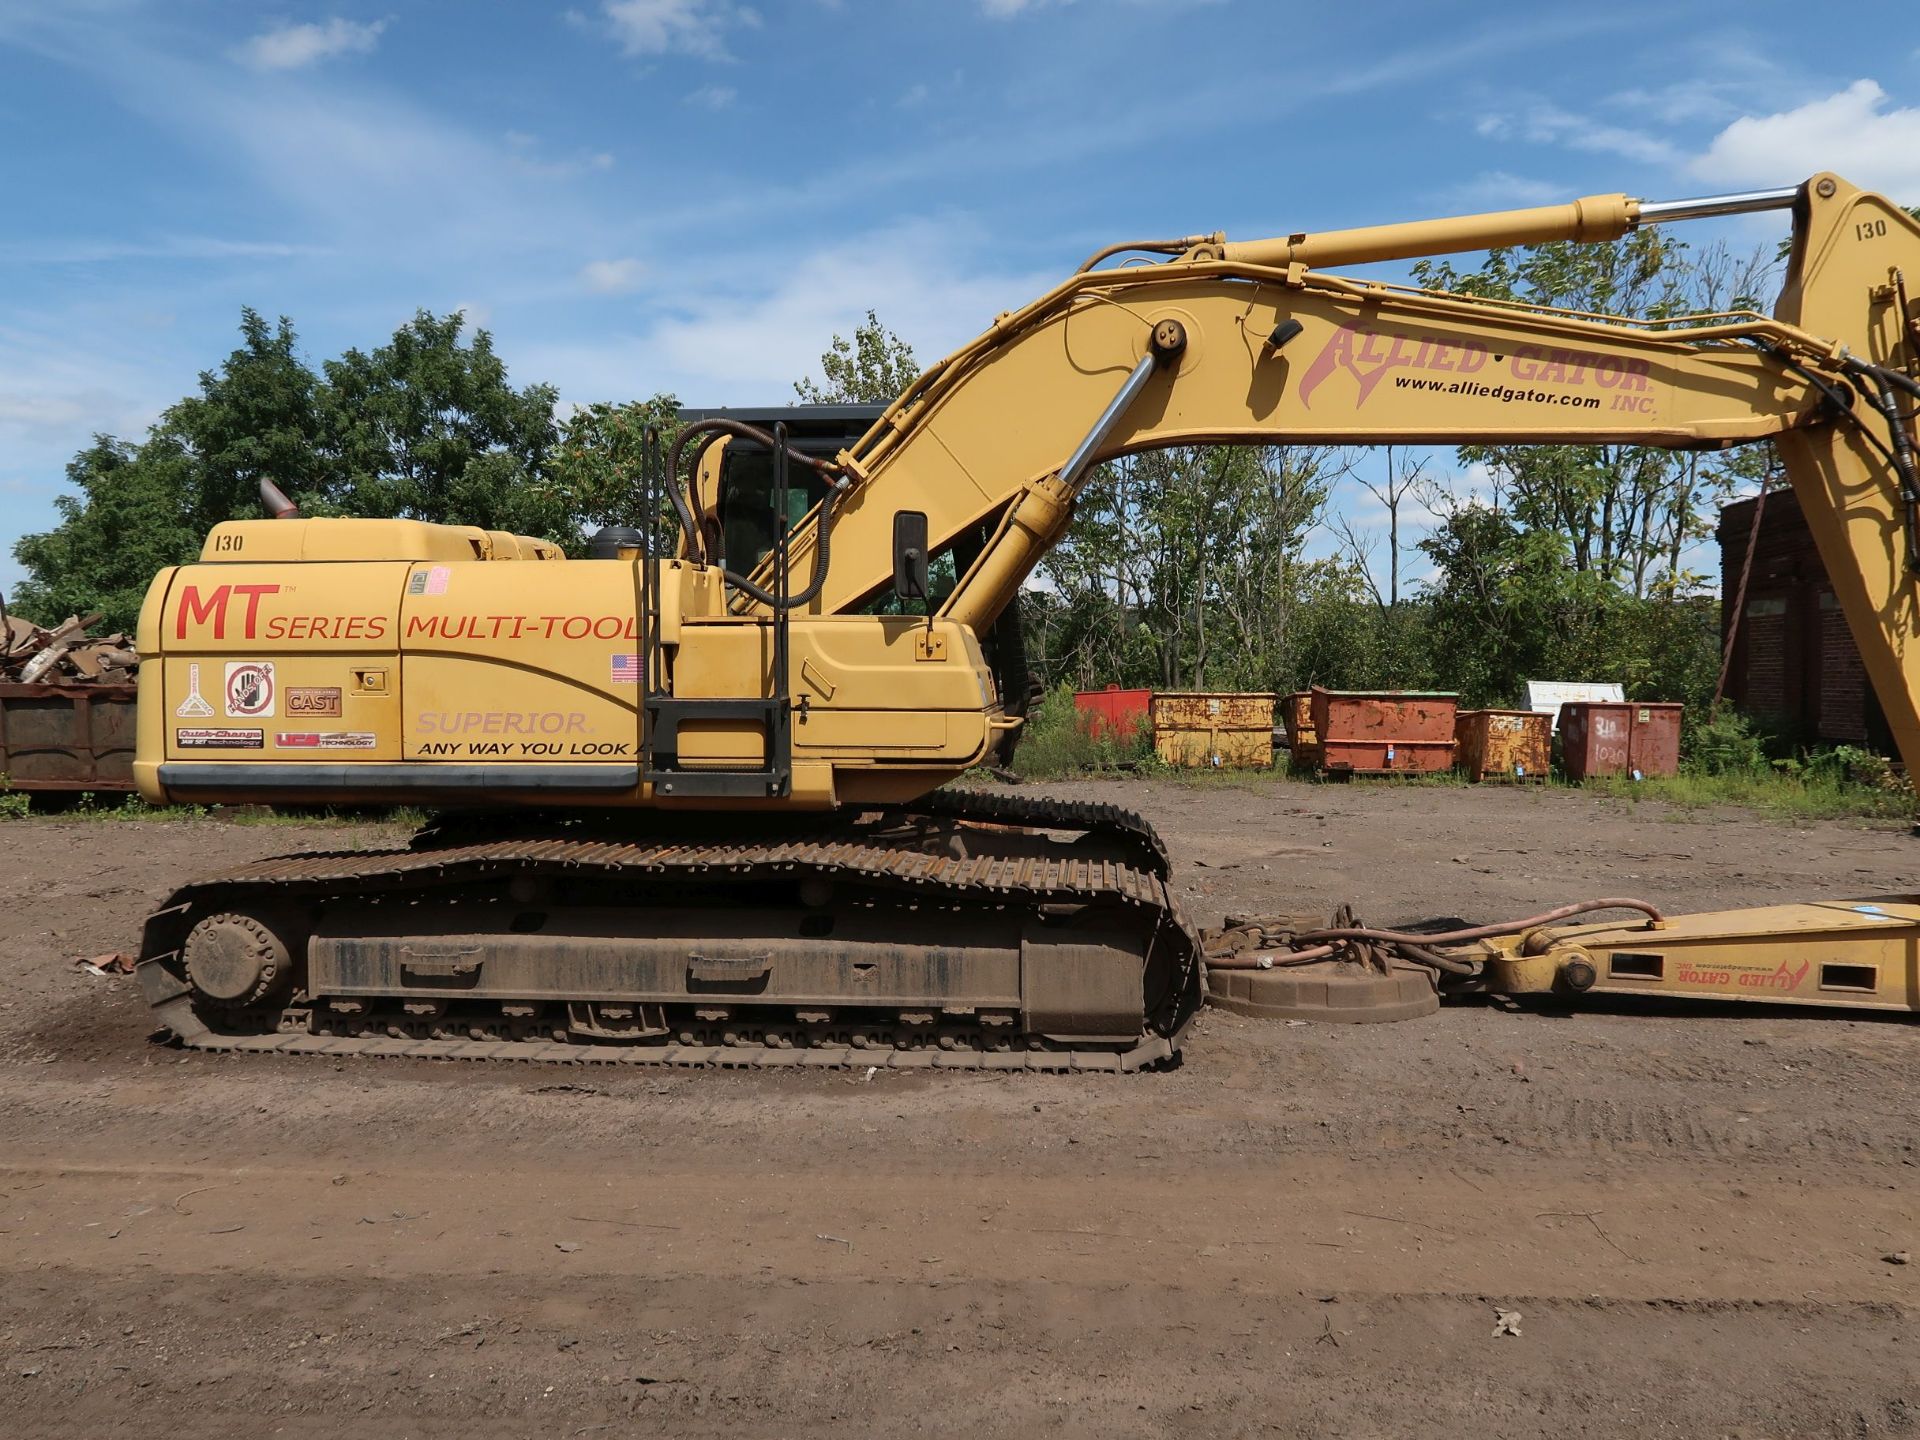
{"points": [[692, 195]]}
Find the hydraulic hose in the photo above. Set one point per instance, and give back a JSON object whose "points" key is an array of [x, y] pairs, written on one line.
{"points": [[1896, 378], [697, 542], [1268, 960], [1418, 947], [696, 538], [1481, 932]]}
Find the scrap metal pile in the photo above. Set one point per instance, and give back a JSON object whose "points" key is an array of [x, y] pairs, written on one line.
{"points": [[67, 654]]}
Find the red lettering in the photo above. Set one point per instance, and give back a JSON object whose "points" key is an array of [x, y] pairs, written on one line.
{"points": [[253, 594], [199, 611]]}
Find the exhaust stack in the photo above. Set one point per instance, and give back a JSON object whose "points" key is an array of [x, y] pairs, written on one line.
{"points": [[276, 502]]}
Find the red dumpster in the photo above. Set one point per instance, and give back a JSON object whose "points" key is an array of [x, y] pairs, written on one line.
{"points": [[1114, 712], [1384, 732], [1608, 738]]}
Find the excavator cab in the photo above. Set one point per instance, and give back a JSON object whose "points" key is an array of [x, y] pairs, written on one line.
{"points": [[736, 481]]}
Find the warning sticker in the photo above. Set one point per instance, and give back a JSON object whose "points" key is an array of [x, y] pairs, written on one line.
{"points": [[326, 740], [429, 582], [190, 738], [249, 689]]}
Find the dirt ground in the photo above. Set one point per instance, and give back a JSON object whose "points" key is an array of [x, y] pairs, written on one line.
{"points": [[1302, 1231]]}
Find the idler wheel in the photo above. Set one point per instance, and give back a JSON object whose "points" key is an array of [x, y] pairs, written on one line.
{"points": [[235, 960]]}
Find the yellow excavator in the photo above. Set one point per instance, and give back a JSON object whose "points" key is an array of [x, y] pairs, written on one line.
{"points": [[691, 787]]}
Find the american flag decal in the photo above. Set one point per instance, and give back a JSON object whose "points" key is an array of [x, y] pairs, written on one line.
{"points": [[626, 669]]}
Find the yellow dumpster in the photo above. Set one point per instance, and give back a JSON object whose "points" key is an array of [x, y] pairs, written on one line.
{"points": [[1222, 730], [1303, 741]]}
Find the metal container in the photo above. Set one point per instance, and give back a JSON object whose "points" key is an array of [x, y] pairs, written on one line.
{"points": [[1655, 744], [1119, 713], [1637, 739], [1384, 732], [1504, 744], [1303, 741], [67, 737], [1226, 731]]}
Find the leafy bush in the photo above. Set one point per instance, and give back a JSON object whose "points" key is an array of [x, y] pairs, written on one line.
{"points": [[1725, 743], [1059, 741], [1850, 765], [13, 804]]}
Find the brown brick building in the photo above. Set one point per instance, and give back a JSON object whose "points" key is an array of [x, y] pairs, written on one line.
{"points": [[1795, 668]]}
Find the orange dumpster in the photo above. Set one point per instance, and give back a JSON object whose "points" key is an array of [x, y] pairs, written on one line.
{"points": [[1384, 732], [1504, 744]]}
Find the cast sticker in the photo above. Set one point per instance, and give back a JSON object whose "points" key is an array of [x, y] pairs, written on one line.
{"points": [[195, 706], [312, 700], [249, 689], [190, 738], [325, 740]]}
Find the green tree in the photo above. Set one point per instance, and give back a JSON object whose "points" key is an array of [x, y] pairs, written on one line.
{"points": [[429, 428], [1180, 568], [133, 514], [1505, 606], [425, 426], [597, 464], [1628, 512], [872, 368]]}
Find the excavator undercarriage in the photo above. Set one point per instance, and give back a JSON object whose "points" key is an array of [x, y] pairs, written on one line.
{"points": [[969, 932]]}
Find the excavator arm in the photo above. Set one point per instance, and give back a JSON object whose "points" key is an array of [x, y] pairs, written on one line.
{"points": [[1255, 343]]}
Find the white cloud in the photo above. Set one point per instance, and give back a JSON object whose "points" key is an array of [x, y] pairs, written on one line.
{"points": [[1856, 132], [611, 277], [713, 97], [291, 47], [1501, 189], [689, 27], [731, 345], [1544, 124], [525, 155], [172, 247]]}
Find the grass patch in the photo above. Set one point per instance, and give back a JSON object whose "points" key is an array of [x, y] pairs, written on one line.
{"points": [[131, 809], [1784, 795]]}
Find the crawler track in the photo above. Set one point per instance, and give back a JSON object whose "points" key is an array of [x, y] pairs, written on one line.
{"points": [[1107, 874]]}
